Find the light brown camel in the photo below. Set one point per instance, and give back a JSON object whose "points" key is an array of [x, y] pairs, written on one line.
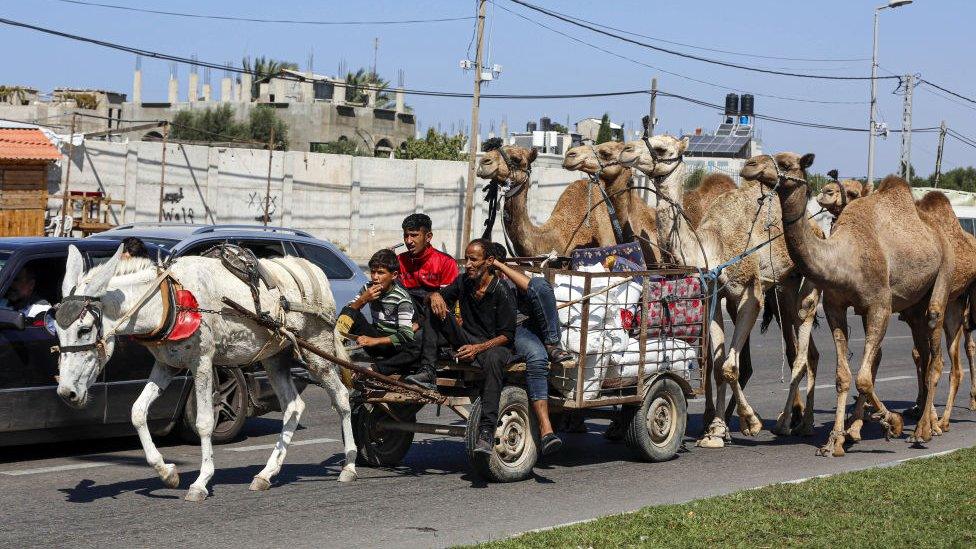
{"points": [[935, 209], [696, 201], [636, 218], [558, 232], [730, 226], [880, 258]]}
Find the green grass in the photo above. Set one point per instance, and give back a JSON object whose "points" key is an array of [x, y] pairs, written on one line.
{"points": [[924, 503]]}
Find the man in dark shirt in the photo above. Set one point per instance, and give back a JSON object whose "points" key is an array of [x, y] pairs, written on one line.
{"points": [[485, 333]]}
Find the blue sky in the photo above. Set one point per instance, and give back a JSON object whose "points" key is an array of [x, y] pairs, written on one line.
{"points": [[931, 37]]}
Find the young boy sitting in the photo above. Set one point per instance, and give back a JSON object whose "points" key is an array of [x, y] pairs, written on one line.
{"points": [[389, 338]]}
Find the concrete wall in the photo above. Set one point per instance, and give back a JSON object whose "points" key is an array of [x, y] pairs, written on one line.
{"points": [[356, 202]]}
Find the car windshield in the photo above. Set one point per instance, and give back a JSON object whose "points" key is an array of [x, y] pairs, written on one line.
{"points": [[4, 256], [164, 243]]}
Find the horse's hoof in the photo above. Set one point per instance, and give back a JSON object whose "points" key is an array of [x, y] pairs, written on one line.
{"points": [[195, 494], [347, 476], [172, 478], [259, 485]]}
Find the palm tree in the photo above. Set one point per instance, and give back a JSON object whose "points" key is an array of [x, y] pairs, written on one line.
{"points": [[264, 67], [356, 92]]}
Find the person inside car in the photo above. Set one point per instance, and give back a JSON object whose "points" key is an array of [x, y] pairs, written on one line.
{"points": [[536, 338], [485, 331], [424, 269], [20, 296], [389, 337]]}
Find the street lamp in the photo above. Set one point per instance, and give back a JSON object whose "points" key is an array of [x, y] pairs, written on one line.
{"points": [[874, 83]]}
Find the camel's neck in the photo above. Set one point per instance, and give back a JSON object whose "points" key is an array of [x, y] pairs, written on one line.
{"points": [[124, 292], [673, 231], [618, 189], [521, 230], [814, 256]]}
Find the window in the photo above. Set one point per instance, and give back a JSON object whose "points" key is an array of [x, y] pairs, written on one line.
{"points": [[263, 249], [4, 256], [332, 265], [967, 224], [47, 273]]}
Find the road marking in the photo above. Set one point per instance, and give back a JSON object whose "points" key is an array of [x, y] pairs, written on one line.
{"points": [[271, 446], [54, 469]]}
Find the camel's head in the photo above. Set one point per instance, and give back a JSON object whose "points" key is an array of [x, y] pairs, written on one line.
{"points": [[658, 156], [506, 162], [79, 321], [835, 196], [784, 170], [595, 159]]}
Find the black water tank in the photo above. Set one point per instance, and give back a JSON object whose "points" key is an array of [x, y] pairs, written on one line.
{"points": [[748, 105], [545, 124], [530, 127], [732, 104]]}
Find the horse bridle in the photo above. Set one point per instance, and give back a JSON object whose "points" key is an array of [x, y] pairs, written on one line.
{"points": [[89, 304]]}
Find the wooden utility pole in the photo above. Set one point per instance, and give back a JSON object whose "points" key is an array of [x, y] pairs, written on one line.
{"points": [[162, 172], [906, 130], [473, 134], [267, 188], [652, 121], [67, 177], [938, 154]]}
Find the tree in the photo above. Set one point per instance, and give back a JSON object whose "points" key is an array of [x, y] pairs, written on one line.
{"points": [[218, 125], [356, 92], [262, 119], [694, 179], [264, 67], [434, 146], [604, 134], [963, 179], [559, 128], [342, 146]]}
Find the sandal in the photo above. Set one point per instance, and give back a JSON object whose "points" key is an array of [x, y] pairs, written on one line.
{"points": [[550, 444]]}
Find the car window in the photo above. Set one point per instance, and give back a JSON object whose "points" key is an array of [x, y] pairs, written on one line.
{"points": [[47, 273], [164, 243], [332, 265], [263, 249], [4, 256], [967, 225]]}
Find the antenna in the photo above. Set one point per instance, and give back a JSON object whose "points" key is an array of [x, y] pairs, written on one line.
{"points": [[400, 78], [376, 49], [310, 62], [138, 62]]}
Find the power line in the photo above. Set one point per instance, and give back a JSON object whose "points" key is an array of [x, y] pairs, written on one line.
{"points": [[688, 55], [950, 92], [729, 52], [259, 20], [685, 77]]}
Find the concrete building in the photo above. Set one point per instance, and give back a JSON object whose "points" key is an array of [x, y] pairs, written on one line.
{"points": [[23, 104], [728, 148], [588, 128]]}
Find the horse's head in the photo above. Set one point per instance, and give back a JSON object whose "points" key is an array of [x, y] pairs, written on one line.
{"points": [[80, 324]]}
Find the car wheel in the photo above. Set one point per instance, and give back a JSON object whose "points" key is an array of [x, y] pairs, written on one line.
{"points": [[230, 408]]}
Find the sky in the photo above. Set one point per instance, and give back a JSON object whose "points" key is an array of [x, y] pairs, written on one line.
{"points": [[930, 37]]}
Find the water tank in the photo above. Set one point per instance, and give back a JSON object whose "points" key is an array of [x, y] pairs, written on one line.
{"points": [[530, 127], [732, 104], [545, 124], [748, 105]]}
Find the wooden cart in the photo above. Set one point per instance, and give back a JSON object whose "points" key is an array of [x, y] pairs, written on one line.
{"points": [[650, 406]]}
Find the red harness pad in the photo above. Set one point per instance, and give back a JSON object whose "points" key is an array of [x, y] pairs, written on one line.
{"points": [[187, 316]]}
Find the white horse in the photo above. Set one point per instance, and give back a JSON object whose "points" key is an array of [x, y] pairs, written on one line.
{"points": [[122, 297]]}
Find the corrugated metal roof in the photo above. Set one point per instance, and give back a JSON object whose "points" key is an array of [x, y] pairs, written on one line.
{"points": [[26, 144]]}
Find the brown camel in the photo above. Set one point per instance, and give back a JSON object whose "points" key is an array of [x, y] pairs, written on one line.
{"points": [[559, 232], [833, 200], [731, 225], [636, 218], [696, 201], [881, 258]]}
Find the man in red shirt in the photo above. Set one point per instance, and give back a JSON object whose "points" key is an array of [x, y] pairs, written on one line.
{"points": [[423, 270]]}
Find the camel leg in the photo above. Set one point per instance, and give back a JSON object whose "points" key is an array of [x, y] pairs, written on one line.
{"points": [[971, 356], [807, 347], [793, 406], [715, 429], [953, 334], [292, 407], [837, 320], [328, 375], [748, 311], [203, 387], [159, 379]]}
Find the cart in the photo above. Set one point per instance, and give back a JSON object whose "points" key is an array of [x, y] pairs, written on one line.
{"points": [[643, 388]]}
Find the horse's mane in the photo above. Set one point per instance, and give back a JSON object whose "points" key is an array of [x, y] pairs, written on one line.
{"points": [[122, 267]]}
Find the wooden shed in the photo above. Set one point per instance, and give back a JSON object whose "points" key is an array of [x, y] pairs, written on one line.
{"points": [[26, 155]]}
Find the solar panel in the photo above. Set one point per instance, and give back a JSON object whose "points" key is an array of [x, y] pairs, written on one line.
{"points": [[710, 145]]}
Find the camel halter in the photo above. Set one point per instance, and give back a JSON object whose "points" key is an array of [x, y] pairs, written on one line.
{"points": [[657, 159], [507, 189], [618, 231], [780, 177]]}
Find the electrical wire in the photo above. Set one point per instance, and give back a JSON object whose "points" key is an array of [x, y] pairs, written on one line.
{"points": [[259, 20], [691, 56], [950, 92]]}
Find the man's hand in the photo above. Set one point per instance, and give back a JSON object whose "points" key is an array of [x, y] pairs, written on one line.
{"points": [[372, 293], [367, 341], [468, 352], [438, 305]]}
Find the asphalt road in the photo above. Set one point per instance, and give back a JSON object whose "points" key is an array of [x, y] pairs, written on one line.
{"points": [[103, 494]]}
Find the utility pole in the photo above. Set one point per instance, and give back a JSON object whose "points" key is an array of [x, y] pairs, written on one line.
{"points": [[473, 134], [267, 188], [162, 172], [652, 120], [938, 154], [376, 49], [906, 130], [67, 177]]}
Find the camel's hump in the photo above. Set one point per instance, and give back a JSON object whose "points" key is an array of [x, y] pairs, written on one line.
{"points": [[716, 183], [893, 183]]}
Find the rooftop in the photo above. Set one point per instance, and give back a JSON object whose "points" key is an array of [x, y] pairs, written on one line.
{"points": [[26, 144]]}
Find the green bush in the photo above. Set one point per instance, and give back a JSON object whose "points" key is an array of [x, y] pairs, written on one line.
{"points": [[218, 125], [434, 146]]}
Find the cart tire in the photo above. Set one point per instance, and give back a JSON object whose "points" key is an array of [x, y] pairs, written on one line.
{"points": [[378, 447], [517, 436], [657, 428]]}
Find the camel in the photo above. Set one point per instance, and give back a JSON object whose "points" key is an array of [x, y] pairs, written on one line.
{"points": [[832, 199], [124, 298], [635, 216], [880, 258], [731, 225], [565, 230], [696, 201]]}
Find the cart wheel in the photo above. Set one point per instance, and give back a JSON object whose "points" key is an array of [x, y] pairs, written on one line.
{"points": [[517, 439], [379, 447], [658, 426]]}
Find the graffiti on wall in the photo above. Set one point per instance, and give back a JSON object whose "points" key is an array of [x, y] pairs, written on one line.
{"points": [[256, 200], [173, 212]]}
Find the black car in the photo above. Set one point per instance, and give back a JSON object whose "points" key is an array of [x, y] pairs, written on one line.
{"points": [[30, 409]]}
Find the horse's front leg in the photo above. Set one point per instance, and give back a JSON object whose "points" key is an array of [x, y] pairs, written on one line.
{"points": [[292, 407], [203, 386], [158, 381]]}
